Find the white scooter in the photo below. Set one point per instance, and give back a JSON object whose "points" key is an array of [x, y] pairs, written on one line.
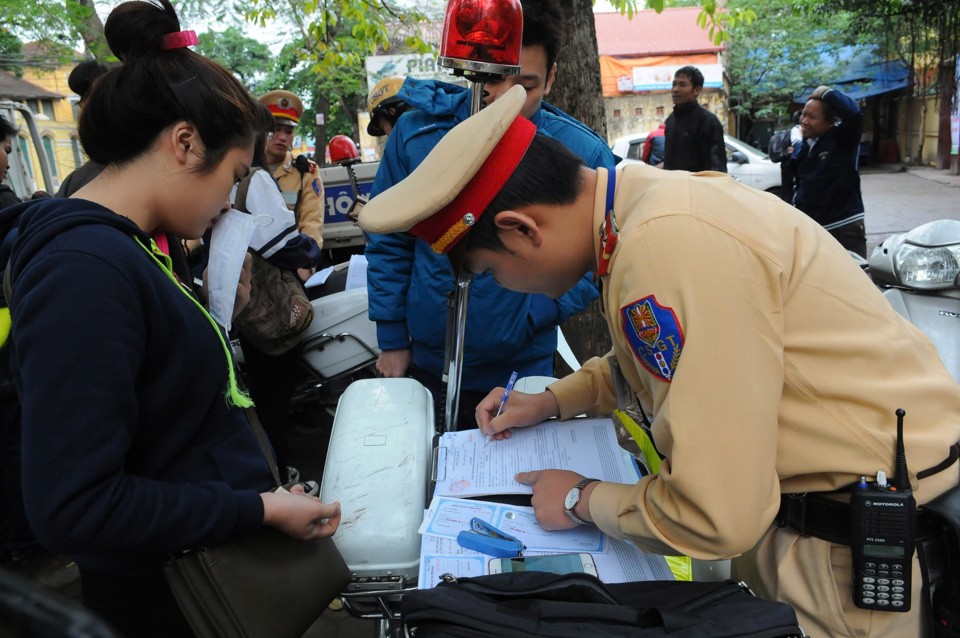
{"points": [[919, 271]]}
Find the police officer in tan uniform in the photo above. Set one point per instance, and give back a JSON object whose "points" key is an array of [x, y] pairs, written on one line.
{"points": [[766, 360], [298, 177]]}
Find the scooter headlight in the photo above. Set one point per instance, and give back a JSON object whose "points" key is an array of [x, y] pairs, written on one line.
{"points": [[927, 268]]}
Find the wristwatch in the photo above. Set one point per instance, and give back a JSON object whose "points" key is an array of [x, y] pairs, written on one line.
{"points": [[573, 497]]}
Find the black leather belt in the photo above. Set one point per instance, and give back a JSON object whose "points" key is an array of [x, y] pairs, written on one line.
{"points": [[816, 515], [822, 517]]}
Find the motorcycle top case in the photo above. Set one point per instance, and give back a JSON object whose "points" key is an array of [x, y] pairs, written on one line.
{"points": [[577, 605], [333, 342], [378, 467]]}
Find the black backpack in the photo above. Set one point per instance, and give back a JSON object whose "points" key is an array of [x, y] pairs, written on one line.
{"points": [[778, 145], [576, 605]]}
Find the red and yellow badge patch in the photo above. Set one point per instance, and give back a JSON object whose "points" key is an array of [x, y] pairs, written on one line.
{"points": [[653, 332]]}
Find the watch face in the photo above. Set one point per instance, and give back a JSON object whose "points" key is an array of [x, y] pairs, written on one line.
{"points": [[573, 497]]}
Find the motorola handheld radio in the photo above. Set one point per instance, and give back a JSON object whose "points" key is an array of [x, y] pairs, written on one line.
{"points": [[882, 538]]}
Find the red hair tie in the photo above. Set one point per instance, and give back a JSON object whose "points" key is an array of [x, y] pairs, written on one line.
{"points": [[179, 40]]}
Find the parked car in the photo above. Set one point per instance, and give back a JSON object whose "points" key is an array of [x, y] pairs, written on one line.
{"points": [[745, 163]]}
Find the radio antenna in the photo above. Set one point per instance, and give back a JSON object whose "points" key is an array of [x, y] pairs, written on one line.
{"points": [[901, 479]]}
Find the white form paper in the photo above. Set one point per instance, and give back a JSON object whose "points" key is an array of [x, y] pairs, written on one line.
{"points": [[228, 246], [356, 272], [468, 466], [319, 278]]}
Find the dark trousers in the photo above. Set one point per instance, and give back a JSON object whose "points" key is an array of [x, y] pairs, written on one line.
{"points": [[135, 605], [852, 236], [271, 381], [466, 413]]}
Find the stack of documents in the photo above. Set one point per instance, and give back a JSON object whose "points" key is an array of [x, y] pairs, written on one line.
{"points": [[469, 466]]}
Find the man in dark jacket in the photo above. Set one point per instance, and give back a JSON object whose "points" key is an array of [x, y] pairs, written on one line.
{"points": [[694, 135]]}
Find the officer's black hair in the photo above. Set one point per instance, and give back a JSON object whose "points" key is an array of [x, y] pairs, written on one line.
{"points": [[82, 76], [693, 73], [129, 106], [548, 174], [543, 24], [7, 130]]}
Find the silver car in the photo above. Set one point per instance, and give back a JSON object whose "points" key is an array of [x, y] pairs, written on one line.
{"points": [[745, 163]]}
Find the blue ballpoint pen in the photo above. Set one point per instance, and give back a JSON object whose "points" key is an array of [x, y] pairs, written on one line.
{"points": [[503, 401]]}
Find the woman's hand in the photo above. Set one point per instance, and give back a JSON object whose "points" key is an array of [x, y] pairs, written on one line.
{"points": [[520, 410], [300, 515]]}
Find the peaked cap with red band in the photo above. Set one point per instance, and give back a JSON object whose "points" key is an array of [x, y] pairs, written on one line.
{"points": [[444, 196], [284, 105]]}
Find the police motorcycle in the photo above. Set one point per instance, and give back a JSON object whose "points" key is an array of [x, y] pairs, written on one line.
{"points": [[919, 273]]}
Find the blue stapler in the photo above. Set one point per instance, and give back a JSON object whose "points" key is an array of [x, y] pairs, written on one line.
{"points": [[485, 538]]}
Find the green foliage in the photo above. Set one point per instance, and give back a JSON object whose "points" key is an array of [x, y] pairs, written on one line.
{"points": [[343, 86], [42, 19], [910, 28], [777, 55], [248, 59], [338, 33], [11, 53]]}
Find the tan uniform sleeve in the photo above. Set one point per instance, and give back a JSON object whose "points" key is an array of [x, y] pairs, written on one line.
{"points": [[310, 215], [589, 390], [716, 421]]}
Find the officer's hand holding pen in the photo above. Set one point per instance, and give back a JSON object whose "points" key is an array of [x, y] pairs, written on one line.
{"points": [[524, 410]]}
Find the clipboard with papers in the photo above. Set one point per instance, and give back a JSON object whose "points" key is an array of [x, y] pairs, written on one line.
{"points": [[467, 466]]}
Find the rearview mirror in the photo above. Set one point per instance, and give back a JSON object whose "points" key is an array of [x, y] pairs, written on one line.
{"points": [[738, 157]]}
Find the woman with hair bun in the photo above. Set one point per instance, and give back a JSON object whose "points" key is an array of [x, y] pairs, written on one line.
{"points": [[135, 445]]}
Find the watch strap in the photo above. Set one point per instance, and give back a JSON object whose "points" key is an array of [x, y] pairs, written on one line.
{"points": [[579, 488]]}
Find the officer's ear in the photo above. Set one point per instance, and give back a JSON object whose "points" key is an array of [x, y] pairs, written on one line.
{"points": [[518, 227]]}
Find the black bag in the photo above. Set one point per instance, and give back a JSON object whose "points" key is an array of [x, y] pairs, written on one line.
{"points": [[778, 145], [265, 585], [577, 605], [940, 564]]}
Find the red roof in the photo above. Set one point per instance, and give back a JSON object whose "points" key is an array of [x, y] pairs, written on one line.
{"points": [[673, 32]]}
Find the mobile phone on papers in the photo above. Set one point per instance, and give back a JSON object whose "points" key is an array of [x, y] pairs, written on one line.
{"points": [[553, 563]]}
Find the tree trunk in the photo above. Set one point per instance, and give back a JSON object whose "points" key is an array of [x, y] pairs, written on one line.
{"points": [[320, 130], [577, 87], [577, 91], [91, 30]]}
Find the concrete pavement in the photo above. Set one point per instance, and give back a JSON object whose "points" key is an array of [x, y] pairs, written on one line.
{"points": [[898, 198]]}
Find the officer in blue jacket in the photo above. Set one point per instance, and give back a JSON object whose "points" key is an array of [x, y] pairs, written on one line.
{"points": [[408, 282], [826, 167]]}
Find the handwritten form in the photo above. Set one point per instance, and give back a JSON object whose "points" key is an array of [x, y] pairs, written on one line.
{"points": [[469, 467]]}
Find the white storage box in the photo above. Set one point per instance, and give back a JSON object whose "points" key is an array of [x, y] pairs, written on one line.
{"points": [[340, 334], [378, 467]]}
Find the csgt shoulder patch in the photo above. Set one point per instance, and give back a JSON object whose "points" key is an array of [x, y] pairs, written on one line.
{"points": [[654, 333], [316, 186]]}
